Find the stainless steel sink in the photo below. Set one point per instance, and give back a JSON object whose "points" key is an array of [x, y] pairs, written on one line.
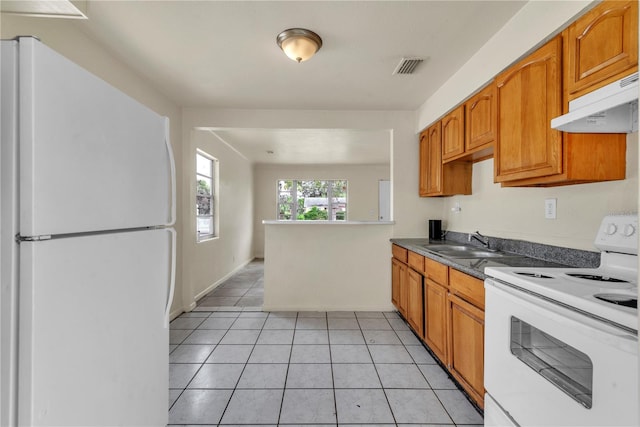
{"points": [[463, 251], [471, 254]]}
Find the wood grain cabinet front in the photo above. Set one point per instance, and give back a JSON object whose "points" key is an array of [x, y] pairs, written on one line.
{"points": [[436, 178], [444, 307], [601, 46], [528, 151], [481, 122], [528, 97], [466, 346], [399, 286], [453, 133], [435, 318], [415, 315]]}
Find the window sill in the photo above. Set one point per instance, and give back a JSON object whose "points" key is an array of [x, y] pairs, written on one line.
{"points": [[207, 239]]}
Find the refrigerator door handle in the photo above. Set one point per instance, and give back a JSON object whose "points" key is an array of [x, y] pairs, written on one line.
{"points": [[172, 283], [172, 165]]}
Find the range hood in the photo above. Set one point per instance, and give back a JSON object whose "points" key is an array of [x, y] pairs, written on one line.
{"points": [[611, 109]]}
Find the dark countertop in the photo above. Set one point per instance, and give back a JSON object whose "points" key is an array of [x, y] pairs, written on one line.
{"points": [[472, 266]]}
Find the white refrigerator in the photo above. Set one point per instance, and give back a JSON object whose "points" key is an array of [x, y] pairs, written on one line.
{"points": [[87, 249]]}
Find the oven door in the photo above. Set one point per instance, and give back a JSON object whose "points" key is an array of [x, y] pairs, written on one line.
{"points": [[548, 365]]}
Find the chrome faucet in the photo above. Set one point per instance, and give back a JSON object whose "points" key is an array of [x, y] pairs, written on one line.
{"points": [[484, 240]]}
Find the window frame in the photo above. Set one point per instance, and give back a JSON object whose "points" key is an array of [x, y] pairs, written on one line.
{"points": [[294, 199], [214, 202]]}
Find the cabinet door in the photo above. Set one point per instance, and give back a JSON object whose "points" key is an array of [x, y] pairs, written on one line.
{"points": [[481, 119], [529, 96], [399, 286], [601, 46], [395, 282], [424, 164], [453, 133], [403, 292], [466, 346], [414, 307], [435, 318], [434, 160]]}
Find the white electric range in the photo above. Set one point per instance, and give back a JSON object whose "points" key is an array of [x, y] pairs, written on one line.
{"points": [[561, 344]]}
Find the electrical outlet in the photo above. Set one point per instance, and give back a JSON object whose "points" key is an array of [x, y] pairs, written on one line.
{"points": [[550, 208]]}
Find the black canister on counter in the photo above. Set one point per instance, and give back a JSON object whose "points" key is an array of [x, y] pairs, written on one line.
{"points": [[435, 229]]}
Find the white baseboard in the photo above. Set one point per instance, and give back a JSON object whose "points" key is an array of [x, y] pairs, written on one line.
{"points": [[211, 287], [385, 307]]}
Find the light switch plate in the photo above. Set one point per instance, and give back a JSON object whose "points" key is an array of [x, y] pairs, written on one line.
{"points": [[550, 208]]}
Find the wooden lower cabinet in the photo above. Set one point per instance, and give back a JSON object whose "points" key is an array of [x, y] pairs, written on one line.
{"points": [[466, 346], [399, 286], [435, 318], [415, 315], [445, 308]]}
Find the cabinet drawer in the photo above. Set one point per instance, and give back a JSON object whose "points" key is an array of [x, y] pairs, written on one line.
{"points": [[467, 287], [416, 261], [437, 272], [399, 253]]}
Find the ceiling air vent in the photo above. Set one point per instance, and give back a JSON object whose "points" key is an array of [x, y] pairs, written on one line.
{"points": [[407, 65]]}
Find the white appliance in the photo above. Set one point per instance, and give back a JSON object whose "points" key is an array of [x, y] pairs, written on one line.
{"points": [[87, 252], [561, 344], [611, 109]]}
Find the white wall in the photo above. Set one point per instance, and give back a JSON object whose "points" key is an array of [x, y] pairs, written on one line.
{"points": [[517, 213], [325, 267], [66, 37], [212, 261], [362, 197]]}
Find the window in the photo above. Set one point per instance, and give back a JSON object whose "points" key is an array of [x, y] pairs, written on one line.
{"points": [[206, 196], [566, 367], [300, 200]]}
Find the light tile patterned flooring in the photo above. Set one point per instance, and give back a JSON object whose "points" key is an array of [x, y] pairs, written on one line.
{"points": [[243, 289], [242, 366]]}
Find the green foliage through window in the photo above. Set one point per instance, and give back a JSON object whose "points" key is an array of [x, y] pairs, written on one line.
{"points": [[312, 200]]}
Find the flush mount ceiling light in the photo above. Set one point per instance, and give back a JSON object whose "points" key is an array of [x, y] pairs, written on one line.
{"points": [[299, 44]]}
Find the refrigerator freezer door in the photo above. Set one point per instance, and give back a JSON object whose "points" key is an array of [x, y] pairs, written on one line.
{"points": [[91, 158], [93, 342]]}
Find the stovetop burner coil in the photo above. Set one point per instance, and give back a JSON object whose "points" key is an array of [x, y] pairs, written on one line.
{"points": [[624, 300], [597, 277], [535, 275]]}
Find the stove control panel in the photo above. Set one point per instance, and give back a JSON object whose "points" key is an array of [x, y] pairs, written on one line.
{"points": [[618, 233]]}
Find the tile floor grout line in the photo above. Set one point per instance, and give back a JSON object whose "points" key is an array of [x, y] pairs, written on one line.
{"points": [[239, 377], [240, 309], [378, 374], [201, 364], [286, 375]]}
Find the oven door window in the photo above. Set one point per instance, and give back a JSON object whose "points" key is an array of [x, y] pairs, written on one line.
{"points": [[566, 367]]}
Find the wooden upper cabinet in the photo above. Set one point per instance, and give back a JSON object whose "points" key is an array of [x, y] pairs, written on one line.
{"points": [[481, 122], [453, 133], [601, 47], [436, 178], [431, 161], [434, 155], [424, 163], [528, 97]]}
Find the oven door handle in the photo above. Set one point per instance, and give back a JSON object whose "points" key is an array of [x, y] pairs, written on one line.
{"points": [[587, 324]]}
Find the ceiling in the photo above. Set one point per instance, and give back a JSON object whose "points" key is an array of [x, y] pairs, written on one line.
{"points": [[309, 146], [223, 54]]}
